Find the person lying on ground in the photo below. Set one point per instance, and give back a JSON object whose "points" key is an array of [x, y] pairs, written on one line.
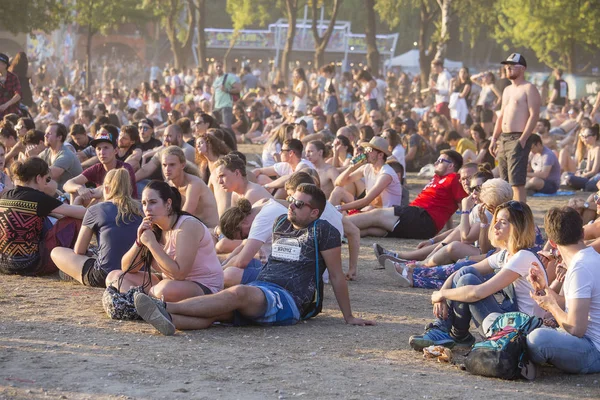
{"points": [[303, 247]]}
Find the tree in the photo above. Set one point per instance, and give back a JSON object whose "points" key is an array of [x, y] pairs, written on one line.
{"points": [[27, 16], [291, 8], [444, 26], [245, 13], [370, 37], [552, 29], [179, 33], [201, 50], [322, 41], [102, 16]]}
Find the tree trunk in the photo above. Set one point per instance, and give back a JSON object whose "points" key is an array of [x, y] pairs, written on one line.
{"points": [[425, 56], [88, 60], [322, 41], [231, 46], [181, 51], [292, 10], [370, 32], [444, 31], [570, 57], [201, 35]]}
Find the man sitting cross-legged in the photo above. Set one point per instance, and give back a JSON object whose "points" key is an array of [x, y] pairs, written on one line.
{"points": [[427, 214], [289, 287]]}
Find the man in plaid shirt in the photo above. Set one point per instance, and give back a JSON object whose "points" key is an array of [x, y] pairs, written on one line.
{"points": [[10, 89]]}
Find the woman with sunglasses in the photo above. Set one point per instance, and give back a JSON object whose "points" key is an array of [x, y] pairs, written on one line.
{"points": [[473, 292], [28, 233], [588, 178]]}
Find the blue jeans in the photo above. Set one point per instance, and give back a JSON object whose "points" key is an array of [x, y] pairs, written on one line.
{"points": [[587, 184], [461, 313], [563, 350], [226, 114]]}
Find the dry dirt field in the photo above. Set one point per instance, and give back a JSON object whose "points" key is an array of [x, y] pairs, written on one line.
{"points": [[56, 342]]}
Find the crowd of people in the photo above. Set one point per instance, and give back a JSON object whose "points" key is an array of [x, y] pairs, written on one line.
{"points": [[124, 183]]}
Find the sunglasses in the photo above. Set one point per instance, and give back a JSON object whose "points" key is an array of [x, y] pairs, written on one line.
{"points": [[442, 160], [586, 136], [474, 189], [515, 205], [298, 203], [282, 150], [368, 150], [144, 128]]}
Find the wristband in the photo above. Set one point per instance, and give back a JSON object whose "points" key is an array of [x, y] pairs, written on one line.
{"points": [[339, 208], [465, 212], [431, 241], [483, 226]]}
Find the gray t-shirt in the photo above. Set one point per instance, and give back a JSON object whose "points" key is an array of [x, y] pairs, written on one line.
{"points": [[113, 240], [544, 159], [67, 160], [292, 263]]}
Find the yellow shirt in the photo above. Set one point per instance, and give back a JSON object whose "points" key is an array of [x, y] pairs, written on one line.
{"points": [[465, 144]]}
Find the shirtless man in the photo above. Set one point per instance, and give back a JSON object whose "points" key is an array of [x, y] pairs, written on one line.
{"points": [[196, 197], [230, 172], [315, 151], [517, 120]]}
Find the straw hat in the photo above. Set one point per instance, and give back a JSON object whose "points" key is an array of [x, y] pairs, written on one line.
{"points": [[378, 143]]}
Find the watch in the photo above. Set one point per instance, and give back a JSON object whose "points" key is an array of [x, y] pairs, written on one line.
{"points": [[586, 205]]}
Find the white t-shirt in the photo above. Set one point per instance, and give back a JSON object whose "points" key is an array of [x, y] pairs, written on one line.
{"points": [[283, 168], [334, 217], [474, 215], [262, 226], [267, 154], [520, 263], [400, 155], [392, 194], [582, 281], [443, 87]]}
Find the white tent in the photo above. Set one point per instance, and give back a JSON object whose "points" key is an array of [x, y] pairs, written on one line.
{"points": [[410, 60]]}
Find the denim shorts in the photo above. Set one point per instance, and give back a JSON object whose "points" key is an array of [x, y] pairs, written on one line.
{"points": [[281, 309], [251, 271]]}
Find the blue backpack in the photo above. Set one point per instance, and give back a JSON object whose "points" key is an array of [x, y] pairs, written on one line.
{"points": [[504, 353]]}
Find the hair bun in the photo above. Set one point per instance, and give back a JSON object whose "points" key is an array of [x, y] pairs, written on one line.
{"points": [[244, 205]]}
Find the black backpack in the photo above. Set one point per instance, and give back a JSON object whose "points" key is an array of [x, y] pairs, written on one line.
{"points": [[504, 353]]}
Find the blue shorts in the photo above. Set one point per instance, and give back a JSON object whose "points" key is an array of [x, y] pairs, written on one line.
{"points": [[281, 309], [251, 271]]}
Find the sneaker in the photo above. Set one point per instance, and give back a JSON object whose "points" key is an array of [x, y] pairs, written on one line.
{"points": [[65, 277], [391, 267], [154, 312], [380, 251], [530, 370], [435, 336]]}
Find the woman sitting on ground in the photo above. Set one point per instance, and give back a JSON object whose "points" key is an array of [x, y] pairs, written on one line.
{"points": [[28, 234], [181, 247], [452, 257], [587, 178], [5, 181], [470, 292], [114, 222]]}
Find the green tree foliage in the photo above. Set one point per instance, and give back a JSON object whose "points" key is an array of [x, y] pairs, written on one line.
{"points": [[27, 16], [322, 41], [553, 29]]}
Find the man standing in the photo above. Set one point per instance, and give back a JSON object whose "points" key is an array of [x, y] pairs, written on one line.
{"points": [[560, 91], [545, 168], [10, 89], [441, 87], [517, 120], [224, 87], [288, 288], [63, 163]]}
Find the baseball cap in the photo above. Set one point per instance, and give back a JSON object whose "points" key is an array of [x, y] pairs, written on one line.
{"points": [[147, 121], [410, 123], [4, 58], [515, 59], [104, 137], [317, 111]]}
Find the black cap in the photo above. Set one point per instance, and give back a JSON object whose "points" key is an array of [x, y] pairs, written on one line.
{"points": [[103, 138], [4, 58], [515, 59], [147, 121]]}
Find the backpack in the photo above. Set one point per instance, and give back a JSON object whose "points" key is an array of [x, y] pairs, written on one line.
{"points": [[504, 353]]}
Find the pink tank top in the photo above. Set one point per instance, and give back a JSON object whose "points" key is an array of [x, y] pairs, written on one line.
{"points": [[206, 269]]}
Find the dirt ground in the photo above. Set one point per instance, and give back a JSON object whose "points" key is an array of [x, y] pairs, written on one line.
{"points": [[56, 342]]}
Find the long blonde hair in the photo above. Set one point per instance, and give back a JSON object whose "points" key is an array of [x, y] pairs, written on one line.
{"points": [[118, 190]]}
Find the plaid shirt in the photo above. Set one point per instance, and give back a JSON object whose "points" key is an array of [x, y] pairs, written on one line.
{"points": [[8, 89]]}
